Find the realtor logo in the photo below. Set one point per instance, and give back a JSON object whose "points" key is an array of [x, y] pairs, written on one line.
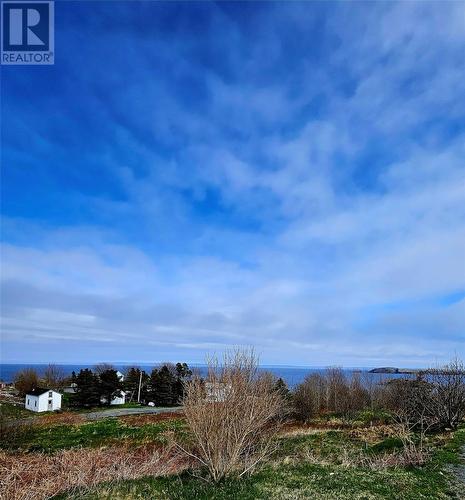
{"points": [[27, 32]]}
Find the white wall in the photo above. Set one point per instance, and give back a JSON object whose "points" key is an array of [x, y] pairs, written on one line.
{"points": [[40, 403], [119, 401], [32, 403]]}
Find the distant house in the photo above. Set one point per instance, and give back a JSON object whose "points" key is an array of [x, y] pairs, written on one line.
{"points": [[118, 400], [71, 388], [43, 400], [217, 391]]}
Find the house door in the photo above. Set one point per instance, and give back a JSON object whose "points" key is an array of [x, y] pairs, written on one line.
{"points": [[50, 405]]}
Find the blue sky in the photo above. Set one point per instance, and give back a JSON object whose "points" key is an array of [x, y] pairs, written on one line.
{"points": [[193, 176]]}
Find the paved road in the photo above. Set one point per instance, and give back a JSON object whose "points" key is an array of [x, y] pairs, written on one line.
{"points": [[121, 412]]}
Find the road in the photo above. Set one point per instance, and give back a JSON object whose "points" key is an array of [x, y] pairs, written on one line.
{"points": [[121, 412]]}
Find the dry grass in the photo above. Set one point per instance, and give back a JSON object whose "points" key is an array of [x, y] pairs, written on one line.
{"points": [[65, 418], [373, 434], [140, 420], [39, 476]]}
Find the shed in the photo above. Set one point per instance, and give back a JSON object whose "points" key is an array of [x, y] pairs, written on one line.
{"points": [[40, 399]]}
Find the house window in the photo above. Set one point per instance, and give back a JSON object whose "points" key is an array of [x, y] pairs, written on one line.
{"points": [[28, 401], [50, 394], [35, 403]]}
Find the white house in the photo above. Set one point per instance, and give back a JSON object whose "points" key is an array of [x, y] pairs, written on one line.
{"points": [[118, 400], [217, 391], [43, 400], [71, 388]]}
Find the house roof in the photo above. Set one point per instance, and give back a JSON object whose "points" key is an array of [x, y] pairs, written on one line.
{"points": [[38, 391]]}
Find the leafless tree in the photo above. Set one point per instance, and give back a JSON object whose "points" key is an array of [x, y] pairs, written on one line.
{"points": [[233, 415], [103, 367], [54, 377], [337, 398], [26, 380]]}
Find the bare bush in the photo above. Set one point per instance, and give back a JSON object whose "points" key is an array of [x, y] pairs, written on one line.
{"points": [[448, 393], [309, 397], [233, 415], [331, 391], [409, 401], [26, 380], [37, 476], [435, 400]]}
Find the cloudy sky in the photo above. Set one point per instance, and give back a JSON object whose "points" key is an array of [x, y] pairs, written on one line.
{"points": [[188, 177]]}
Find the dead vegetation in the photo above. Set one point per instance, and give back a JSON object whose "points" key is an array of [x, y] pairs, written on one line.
{"points": [[140, 420], [233, 415], [65, 418], [36, 476]]}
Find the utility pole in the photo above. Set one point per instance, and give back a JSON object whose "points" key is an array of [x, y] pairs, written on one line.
{"points": [[140, 382]]}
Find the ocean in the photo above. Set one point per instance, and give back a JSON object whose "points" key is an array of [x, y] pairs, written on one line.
{"points": [[292, 375]]}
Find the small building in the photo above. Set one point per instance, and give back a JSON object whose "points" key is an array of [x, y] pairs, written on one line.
{"points": [[71, 388], [217, 391], [119, 400], [43, 400]]}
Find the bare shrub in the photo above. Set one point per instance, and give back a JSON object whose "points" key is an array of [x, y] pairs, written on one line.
{"points": [[435, 400], [37, 476], [448, 393], [337, 397], [309, 397], [26, 380], [331, 391], [233, 415]]}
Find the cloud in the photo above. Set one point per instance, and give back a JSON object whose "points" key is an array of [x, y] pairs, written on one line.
{"points": [[282, 186]]}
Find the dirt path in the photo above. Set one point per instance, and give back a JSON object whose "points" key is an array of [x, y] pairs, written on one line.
{"points": [[458, 473]]}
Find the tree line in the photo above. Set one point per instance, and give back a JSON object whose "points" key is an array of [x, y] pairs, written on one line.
{"points": [[164, 385]]}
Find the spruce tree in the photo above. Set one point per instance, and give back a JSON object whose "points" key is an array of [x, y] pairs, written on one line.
{"points": [[87, 389], [110, 385]]}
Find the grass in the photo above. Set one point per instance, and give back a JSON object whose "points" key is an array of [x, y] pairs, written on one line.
{"points": [[304, 480], [13, 412], [309, 466], [93, 434]]}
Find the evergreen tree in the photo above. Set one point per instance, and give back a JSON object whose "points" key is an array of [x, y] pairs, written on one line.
{"points": [[131, 383], [281, 387], [162, 383], [87, 389], [110, 385], [182, 374]]}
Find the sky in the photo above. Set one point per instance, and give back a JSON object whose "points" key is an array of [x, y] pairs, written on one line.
{"points": [[189, 177]]}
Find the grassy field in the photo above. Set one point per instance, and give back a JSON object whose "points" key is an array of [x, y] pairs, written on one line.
{"points": [[327, 459], [107, 432], [12, 411], [317, 464]]}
